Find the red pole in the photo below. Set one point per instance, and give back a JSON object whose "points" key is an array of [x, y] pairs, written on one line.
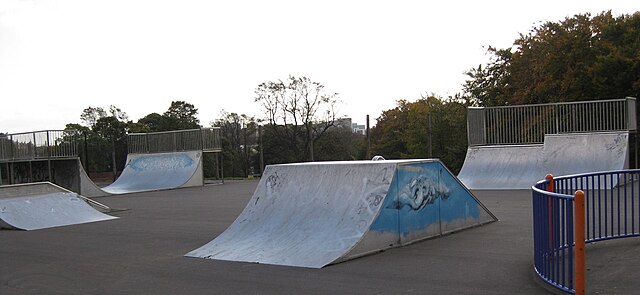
{"points": [[579, 237], [551, 189]]}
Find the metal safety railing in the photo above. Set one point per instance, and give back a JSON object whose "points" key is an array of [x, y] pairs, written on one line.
{"points": [[528, 124], [47, 144], [205, 139], [572, 210]]}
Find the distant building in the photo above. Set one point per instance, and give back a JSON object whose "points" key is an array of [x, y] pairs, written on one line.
{"points": [[343, 122], [359, 129]]}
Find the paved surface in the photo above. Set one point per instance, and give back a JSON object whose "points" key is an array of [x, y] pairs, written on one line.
{"points": [[142, 253]]}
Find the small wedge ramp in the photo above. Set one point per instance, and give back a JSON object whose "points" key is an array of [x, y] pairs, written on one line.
{"points": [[151, 172], [314, 214], [44, 205], [520, 166]]}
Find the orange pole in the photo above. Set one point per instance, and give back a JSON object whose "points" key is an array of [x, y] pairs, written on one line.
{"points": [[579, 237], [550, 188]]}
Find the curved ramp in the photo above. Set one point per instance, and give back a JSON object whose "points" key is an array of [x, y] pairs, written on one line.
{"points": [[502, 167], [150, 172], [588, 152], [87, 186], [519, 167], [314, 214], [44, 205]]}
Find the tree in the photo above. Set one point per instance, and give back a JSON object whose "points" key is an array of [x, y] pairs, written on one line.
{"points": [[180, 115], [341, 144], [303, 109], [153, 122], [91, 115], [431, 127], [239, 143], [103, 138], [579, 58]]}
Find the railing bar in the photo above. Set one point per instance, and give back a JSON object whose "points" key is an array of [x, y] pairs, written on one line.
{"points": [[626, 208], [556, 235], [564, 241], [587, 204], [580, 117], [600, 208], [572, 240], [606, 206], [633, 206], [619, 208], [611, 198]]}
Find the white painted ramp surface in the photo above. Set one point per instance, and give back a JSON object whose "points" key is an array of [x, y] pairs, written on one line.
{"points": [[314, 214], [589, 152], [47, 210], [150, 172], [520, 167], [300, 217], [502, 167]]}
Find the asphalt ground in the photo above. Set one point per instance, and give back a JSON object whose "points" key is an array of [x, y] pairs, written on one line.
{"points": [[142, 253]]}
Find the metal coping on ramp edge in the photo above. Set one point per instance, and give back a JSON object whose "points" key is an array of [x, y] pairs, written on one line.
{"points": [[204, 139], [44, 205], [315, 214]]}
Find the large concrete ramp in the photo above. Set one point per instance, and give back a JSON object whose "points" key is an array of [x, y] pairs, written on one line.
{"points": [[150, 172], [521, 166], [314, 214], [44, 205]]}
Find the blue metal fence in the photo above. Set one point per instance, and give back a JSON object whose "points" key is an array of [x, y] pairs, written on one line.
{"points": [[612, 208]]}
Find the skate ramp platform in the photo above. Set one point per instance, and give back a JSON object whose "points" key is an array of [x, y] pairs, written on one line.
{"points": [[44, 205], [521, 166], [150, 172], [315, 214]]}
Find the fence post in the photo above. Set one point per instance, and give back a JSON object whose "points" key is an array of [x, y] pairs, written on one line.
{"points": [[551, 189], [579, 237]]}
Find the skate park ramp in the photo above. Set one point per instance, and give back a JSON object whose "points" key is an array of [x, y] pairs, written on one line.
{"points": [[44, 205], [581, 153], [315, 214], [502, 166], [150, 172], [521, 166]]}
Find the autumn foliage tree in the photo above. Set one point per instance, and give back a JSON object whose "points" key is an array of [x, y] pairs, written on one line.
{"points": [[430, 127], [579, 58]]}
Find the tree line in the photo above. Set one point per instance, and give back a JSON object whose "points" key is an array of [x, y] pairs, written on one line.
{"points": [[582, 57]]}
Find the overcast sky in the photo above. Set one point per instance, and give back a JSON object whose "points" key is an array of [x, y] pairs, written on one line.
{"points": [[58, 57]]}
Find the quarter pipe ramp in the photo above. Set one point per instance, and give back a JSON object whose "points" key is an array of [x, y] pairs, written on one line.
{"points": [[521, 166], [151, 172], [314, 214]]}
